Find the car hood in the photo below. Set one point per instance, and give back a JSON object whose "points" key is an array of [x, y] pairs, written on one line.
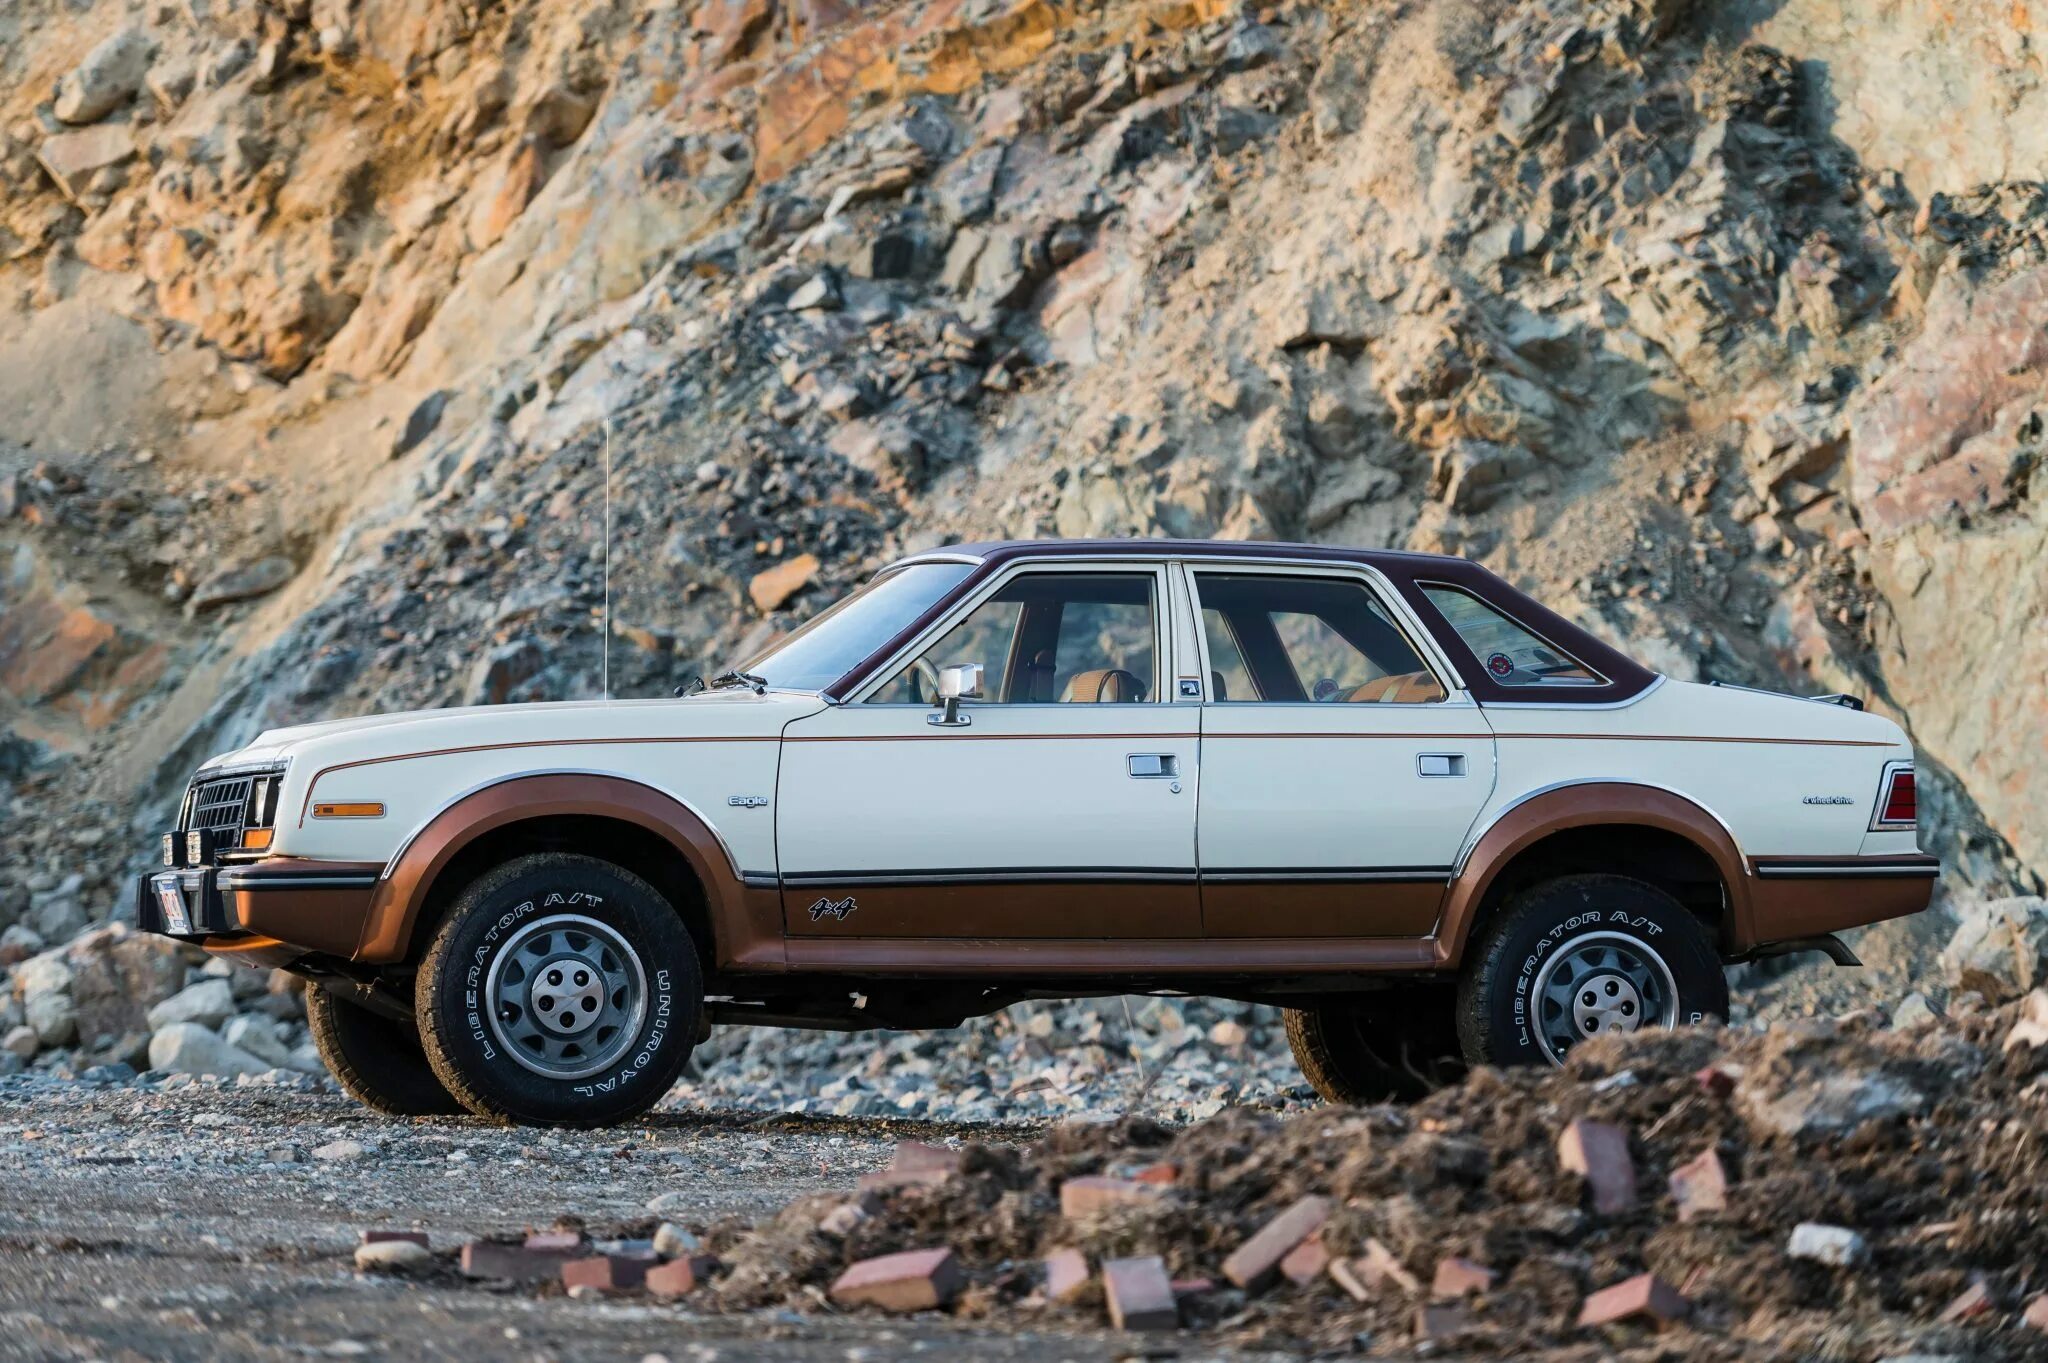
{"points": [[734, 713]]}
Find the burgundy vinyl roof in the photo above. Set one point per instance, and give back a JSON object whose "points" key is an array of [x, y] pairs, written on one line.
{"points": [[1408, 570]]}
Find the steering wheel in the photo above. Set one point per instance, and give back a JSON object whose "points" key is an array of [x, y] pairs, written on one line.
{"points": [[928, 679]]}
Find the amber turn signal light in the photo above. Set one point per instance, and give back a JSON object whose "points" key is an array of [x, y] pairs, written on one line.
{"points": [[257, 838], [357, 810]]}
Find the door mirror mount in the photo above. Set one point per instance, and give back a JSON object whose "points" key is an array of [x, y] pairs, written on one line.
{"points": [[960, 682]]}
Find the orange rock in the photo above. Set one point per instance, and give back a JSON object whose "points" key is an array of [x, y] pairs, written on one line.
{"points": [[773, 587], [518, 182]]}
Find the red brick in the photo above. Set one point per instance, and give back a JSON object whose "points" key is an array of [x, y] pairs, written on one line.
{"points": [[1305, 1262], [1379, 1267], [1715, 1081], [608, 1272], [1095, 1193], [555, 1241], [1643, 1297], [1700, 1186], [1972, 1302], [915, 1280], [383, 1237], [1457, 1277], [1066, 1275], [679, 1277], [1252, 1264], [1163, 1174], [1599, 1151], [513, 1263], [1140, 1294]]}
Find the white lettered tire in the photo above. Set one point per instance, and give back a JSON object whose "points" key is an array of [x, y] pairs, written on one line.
{"points": [[1579, 957], [561, 990]]}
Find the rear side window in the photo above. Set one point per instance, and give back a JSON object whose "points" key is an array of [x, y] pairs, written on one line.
{"points": [[1512, 654]]}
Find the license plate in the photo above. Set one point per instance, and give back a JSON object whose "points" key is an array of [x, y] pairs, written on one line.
{"points": [[170, 897]]}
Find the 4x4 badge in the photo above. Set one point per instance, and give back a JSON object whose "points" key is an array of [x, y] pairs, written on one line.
{"points": [[837, 908]]}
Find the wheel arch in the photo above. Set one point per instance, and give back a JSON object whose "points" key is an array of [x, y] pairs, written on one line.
{"points": [[1620, 827], [646, 831]]}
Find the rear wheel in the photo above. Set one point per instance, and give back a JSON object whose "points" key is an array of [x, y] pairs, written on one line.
{"points": [[376, 1059], [561, 991], [1394, 1044], [1582, 957]]}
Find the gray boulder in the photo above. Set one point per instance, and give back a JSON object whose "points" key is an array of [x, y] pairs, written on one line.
{"points": [[108, 78], [258, 1036], [208, 1003], [44, 986], [188, 1048], [1999, 948]]}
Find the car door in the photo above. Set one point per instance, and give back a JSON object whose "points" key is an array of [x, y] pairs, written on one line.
{"points": [[1342, 768], [1061, 804]]}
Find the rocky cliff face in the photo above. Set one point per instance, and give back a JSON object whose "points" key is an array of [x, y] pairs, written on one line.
{"points": [[1719, 327]]}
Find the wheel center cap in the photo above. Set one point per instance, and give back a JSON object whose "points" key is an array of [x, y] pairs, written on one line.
{"points": [[566, 995], [1606, 1003]]}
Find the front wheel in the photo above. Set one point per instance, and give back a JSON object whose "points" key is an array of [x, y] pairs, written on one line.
{"points": [[1582, 957], [376, 1059], [561, 991]]}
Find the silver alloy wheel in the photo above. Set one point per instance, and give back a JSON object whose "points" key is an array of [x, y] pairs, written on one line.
{"points": [[566, 996], [1600, 983]]}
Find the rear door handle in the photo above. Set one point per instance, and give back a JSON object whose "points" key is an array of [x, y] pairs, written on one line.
{"points": [[1440, 764], [1153, 766]]}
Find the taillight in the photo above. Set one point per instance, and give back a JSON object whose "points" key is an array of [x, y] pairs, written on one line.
{"points": [[1897, 804]]}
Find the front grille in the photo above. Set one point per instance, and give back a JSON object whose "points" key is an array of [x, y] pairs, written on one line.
{"points": [[228, 805]]}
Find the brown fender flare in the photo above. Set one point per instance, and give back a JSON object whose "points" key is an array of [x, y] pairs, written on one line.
{"points": [[746, 924], [1582, 806]]}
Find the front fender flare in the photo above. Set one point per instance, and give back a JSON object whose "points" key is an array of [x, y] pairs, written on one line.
{"points": [[746, 924]]}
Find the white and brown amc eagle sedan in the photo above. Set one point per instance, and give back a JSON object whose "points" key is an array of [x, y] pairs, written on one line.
{"points": [[1432, 820]]}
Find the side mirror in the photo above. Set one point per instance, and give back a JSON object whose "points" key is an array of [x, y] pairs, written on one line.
{"points": [[960, 682]]}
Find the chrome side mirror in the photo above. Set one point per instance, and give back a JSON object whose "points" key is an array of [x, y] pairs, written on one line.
{"points": [[960, 682]]}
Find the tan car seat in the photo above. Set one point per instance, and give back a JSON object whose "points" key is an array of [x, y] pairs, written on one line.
{"points": [[1402, 688], [1103, 684]]}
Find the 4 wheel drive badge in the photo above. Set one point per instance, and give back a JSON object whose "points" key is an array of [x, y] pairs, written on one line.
{"points": [[746, 801], [1827, 800], [836, 908]]}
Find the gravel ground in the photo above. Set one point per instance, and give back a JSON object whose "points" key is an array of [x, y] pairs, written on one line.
{"points": [[144, 1223]]}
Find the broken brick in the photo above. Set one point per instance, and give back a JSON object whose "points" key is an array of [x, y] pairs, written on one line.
{"points": [[1715, 1081], [1457, 1277], [914, 1163], [915, 1280], [1379, 1266], [1066, 1275], [1700, 1186], [1140, 1294], [1598, 1151], [1095, 1193], [512, 1263], [1163, 1174], [1973, 1301], [383, 1237], [1305, 1262], [608, 1272], [679, 1277], [1252, 1264], [1344, 1273], [1643, 1297]]}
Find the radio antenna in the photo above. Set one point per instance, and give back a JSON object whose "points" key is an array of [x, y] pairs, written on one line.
{"points": [[607, 557]]}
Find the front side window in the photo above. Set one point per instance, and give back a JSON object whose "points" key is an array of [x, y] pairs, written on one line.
{"points": [[1296, 638], [1512, 654], [1047, 638], [833, 643]]}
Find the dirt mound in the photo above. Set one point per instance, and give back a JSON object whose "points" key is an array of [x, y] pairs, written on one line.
{"points": [[1919, 1161]]}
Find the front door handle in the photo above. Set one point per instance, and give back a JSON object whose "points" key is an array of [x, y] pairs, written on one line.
{"points": [[1153, 766]]}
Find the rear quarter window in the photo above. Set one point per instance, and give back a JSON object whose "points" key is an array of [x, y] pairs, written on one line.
{"points": [[1511, 653]]}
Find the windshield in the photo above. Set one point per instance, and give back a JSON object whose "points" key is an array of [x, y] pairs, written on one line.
{"points": [[833, 643]]}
